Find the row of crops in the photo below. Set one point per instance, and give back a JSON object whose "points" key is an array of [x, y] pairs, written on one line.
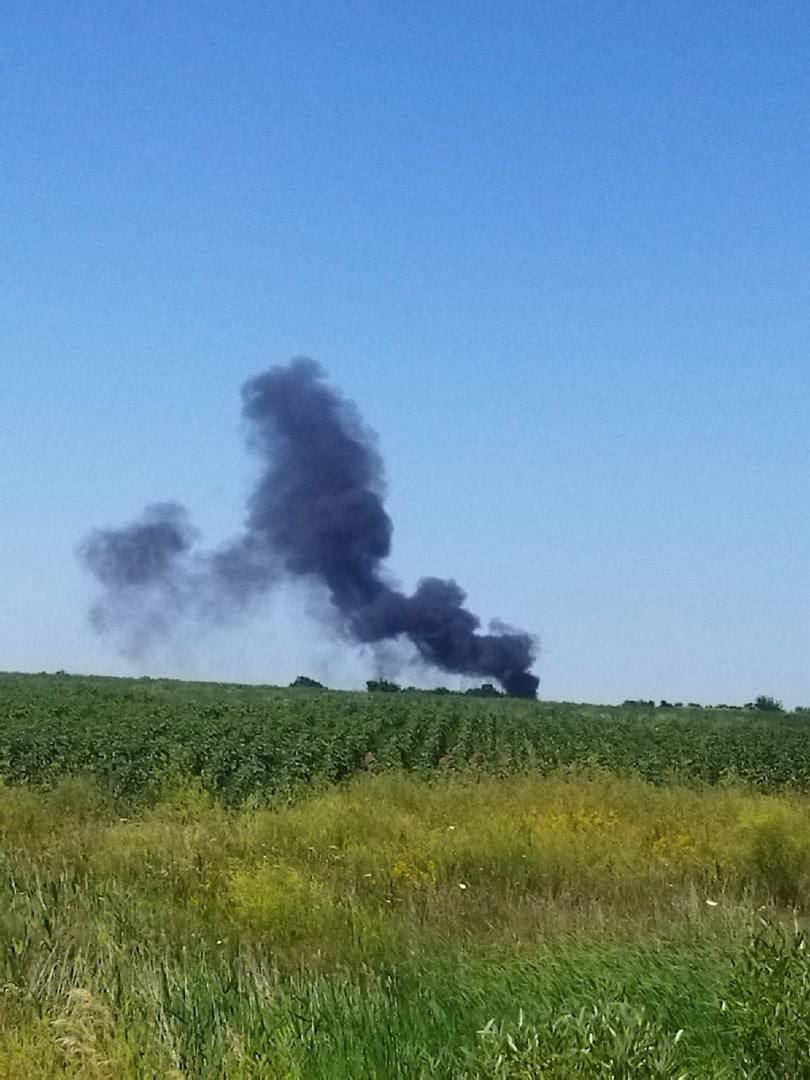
{"points": [[135, 737]]}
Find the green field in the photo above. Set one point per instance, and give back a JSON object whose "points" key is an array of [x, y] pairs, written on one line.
{"points": [[134, 736], [201, 880]]}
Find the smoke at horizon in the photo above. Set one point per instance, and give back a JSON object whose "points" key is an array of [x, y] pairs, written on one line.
{"points": [[315, 513]]}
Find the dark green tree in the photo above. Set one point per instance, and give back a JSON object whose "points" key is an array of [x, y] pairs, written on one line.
{"points": [[305, 683], [764, 703]]}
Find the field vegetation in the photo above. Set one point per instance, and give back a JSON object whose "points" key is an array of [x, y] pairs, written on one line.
{"points": [[493, 889], [260, 743]]}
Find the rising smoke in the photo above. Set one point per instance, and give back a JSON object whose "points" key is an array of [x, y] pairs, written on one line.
{"points": [[316, 512]]}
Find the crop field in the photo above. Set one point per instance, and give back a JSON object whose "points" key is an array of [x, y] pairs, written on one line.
{"points": [[222, 881], [135, 736]]}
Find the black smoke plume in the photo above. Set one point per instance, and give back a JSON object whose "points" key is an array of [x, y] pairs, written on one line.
{"points": [[316, 512]]}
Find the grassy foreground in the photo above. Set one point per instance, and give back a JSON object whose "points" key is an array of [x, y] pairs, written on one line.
{"points": [[395, 926]]}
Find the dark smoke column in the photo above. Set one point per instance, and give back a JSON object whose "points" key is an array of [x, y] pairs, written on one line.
{"points": [[319, 506], [316, 512]]}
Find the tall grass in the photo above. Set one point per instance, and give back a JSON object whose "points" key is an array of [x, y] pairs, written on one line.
{"points": [[396, 926]]}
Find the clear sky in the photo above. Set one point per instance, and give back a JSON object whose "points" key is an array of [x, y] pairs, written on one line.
{"points": [[557, 252]]}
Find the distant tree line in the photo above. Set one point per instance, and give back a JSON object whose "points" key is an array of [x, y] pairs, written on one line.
{"points": [[764, 703], [486, 690], [385, 686]]}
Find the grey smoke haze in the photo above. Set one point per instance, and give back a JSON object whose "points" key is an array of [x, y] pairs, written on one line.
{"points": [[143, 552], [317, 513]]}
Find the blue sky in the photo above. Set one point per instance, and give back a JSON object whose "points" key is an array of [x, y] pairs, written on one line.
{"points": [[558, 254]]}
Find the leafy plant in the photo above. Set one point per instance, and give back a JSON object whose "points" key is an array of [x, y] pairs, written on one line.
{"points": [[611, 1040], [768, 1005]]}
